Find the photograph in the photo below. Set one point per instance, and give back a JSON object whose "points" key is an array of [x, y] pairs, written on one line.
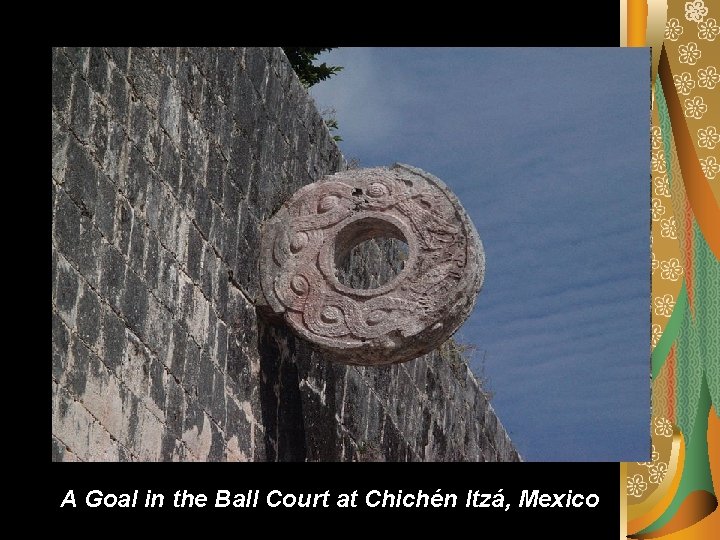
{"points": [[351, 254]]}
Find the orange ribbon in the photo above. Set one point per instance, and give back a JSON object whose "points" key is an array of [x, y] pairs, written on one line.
{"points": [[702, 200]]}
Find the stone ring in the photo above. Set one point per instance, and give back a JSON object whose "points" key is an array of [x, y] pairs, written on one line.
{"points": [[410, 315]]}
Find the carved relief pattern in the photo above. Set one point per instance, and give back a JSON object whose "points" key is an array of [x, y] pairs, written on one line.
{"points": [[408, 316]]}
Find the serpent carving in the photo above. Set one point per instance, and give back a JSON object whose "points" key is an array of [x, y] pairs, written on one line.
{"points": [[410, 315]]}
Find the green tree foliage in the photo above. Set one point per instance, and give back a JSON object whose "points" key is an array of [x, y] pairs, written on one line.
{"points": [[302, 60]]}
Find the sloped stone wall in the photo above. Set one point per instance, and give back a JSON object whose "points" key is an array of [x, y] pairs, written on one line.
{"points": [[165, 164]]}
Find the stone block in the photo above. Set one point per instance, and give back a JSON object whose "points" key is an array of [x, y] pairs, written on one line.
{"points": [[66, 286], [355, 407], [190, 85], [226, 69], [137, 179], [158, 385], [134, 303], [206, 59], [81, 177], [98, 70], [143, 75], [60, 346], [170, 108], [62, 80], [194, 254], [76, 374], [105, 206], [176, 351], [218, 405], [239, 169], [114, 339], [79, 57], [214, 117], [89, 317], [202, 210], [192, 368], [144, 132], [167, 288], [205, 381], [152, 260], [80, 109], [158, 324], [66, 230], [137, 246], [217, 165], [239, 432], [119, 90], [168, 58], [217, 444], [112, 279], [124, 218], [60, 141], [175, 409], [246, 106], [209, 270], [221, 344], [170, 165], [120, 57], [221, 295]]}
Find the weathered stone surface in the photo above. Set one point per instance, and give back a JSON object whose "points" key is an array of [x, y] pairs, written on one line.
{"points": [[157, 349], [305, 241]]}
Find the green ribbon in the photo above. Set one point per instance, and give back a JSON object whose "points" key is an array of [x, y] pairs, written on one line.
{"points": [[662, 348]]}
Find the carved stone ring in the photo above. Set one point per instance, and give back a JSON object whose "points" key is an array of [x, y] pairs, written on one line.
{"points": [[412, 314]]}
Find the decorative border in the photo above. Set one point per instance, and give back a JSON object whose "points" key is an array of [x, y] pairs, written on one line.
{"points": [[674, 494]]}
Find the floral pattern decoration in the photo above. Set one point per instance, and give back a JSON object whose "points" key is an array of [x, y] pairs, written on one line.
{"points": [[671, 269], [673, 29], [668, 228], [708, 30], [710, 167], [708, 137], [695, 11], [664, 305], [657, 472], [656, 137], [695, 107], [663, 427], [657, 210], [689, 53], [662, 186], [656, 335], [684, 83], [708, 77], [657, 161], [636, 486]]}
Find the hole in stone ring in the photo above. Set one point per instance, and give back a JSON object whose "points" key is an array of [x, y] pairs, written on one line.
{"points": [[369, 253]]}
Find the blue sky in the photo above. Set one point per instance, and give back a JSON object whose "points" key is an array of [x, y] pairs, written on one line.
{"points": [[548, 151]]}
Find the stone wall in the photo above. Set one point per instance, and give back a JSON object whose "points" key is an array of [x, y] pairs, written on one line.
{"points": [[165, 164]]}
